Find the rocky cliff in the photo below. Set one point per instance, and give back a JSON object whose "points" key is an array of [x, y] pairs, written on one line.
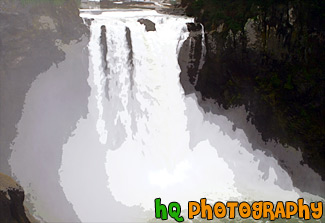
{"points": [[12, 196], [267, 56]]}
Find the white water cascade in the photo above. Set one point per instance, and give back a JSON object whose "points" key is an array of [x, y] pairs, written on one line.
{"points": [[144, 139], [157, 141]]}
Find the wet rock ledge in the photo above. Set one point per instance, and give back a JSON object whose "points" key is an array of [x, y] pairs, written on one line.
{"points": [[150, 26], [12, 196]]}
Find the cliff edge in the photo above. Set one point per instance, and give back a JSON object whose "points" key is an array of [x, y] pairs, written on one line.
{"points": [[267, 56], [12, 197]]}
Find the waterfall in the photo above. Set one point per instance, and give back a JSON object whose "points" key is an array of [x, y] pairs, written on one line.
{"points": [[142, 138], [158, 142], [203, 51]]}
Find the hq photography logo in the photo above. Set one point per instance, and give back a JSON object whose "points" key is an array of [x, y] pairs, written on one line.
{"points": [[256, 210]]}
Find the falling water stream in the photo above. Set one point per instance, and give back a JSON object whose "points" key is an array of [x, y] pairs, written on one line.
{"points": [[143, 138]]}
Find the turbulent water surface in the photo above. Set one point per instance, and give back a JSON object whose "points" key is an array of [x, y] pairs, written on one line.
{"points": [[143, 138]]}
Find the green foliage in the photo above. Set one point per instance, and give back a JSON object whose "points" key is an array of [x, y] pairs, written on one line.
{"points": [[234, 13], [286, 71], [215, 12]]}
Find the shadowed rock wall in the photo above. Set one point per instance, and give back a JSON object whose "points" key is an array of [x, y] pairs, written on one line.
{"points": [[11, 201], [268, 56]]}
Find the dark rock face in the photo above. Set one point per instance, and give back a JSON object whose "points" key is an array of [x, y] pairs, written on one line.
{"points": [[268, 57], [11, 201], [130, 57], [190, 56], [194, 27], [103, 44], [150, 26]]}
